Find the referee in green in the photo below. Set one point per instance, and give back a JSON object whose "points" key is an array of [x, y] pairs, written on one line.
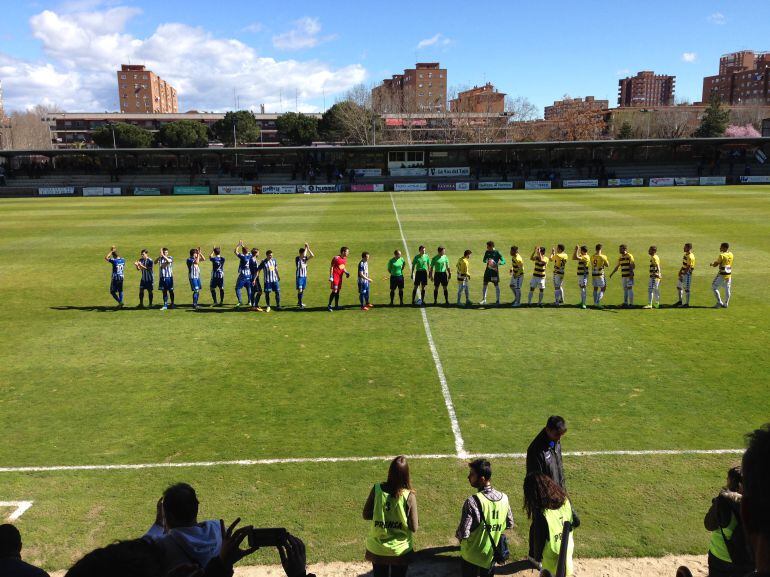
{"points": [[440, 274], [396, 270], [420, 266]]}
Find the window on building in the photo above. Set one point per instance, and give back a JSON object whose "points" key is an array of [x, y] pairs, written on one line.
{"points": [[122, 76]]}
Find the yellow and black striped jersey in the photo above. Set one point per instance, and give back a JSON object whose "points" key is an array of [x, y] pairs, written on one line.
{"points": [[517, 266], [688, 263], [559, 262], [655, 266], [598, 263], [540, 264], [626, 262], [584, 263], [725, 261]]}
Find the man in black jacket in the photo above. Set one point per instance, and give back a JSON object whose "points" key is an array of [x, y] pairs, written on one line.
{"points": [[544, 452], [11, 564], [755, 504]]}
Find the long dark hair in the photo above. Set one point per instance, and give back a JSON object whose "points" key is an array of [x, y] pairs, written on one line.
{"points": [[541, 492], [398, 477]]}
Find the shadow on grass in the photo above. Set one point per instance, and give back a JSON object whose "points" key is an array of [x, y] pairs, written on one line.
{"points": [[444, 561]]}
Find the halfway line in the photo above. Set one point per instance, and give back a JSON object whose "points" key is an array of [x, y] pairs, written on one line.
{"points": [[291, 460], [459, 443]]}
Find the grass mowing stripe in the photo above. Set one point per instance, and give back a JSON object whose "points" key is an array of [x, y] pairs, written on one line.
{"points": [[459, 443], [298, 460]]}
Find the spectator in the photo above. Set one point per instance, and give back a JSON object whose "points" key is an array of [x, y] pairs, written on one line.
{"points": [[392, 508], [143, 558], [177, 532], [728, 555], [544, 452], [548, 507], [755, 503], [478, 536], [11, 564]]}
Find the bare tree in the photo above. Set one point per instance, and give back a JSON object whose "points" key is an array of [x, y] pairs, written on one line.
{"points": [[28, 130], [751, 113]]}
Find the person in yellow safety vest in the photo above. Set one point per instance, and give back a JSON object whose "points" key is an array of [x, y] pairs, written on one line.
{"points": [[392, 509], [548, 507], [484, 517], [723, 520]]}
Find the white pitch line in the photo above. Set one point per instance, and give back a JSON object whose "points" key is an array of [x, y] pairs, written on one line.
{"points": [[311, 460], [450, 407], [20, 507]]}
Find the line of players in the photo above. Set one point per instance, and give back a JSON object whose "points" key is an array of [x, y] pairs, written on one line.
{"points": [[423, 269]]}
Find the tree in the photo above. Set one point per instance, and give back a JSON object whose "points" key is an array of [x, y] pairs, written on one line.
{"points": [[625, 131], [747, 131], [246, 128], [28, 130], [183, 134], [126, 136], [349, 122], [714, 121], [297, 129]]}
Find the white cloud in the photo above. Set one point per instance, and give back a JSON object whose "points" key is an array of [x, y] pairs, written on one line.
{"points": [[84, 50], [689, 56], [622, 72], [254, 27], [717, 18], [435, 40], [304, 34]]}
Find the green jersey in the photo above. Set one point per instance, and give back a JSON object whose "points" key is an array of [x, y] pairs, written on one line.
{"points": [[495, 256], [439, 263], [396, 266], [421, 262]]}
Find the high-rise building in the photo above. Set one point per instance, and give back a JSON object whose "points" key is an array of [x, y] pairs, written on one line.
{"points": [[484, 99], [646, 89], [142, 91], [744, 78], [418, 89], [561, 108]]}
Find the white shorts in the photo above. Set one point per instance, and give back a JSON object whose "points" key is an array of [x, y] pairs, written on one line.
{"points": [[599, 282], [516, 281], [627, 282], [654, 283], [583, 281], [558, 279], [684, 281], [537, 282], [721, 281]]}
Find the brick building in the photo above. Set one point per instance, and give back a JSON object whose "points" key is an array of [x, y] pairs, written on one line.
{"points": [[483, 99], [561, 108], [646, 89], [140, 91], [419, 89], [744, 77]]}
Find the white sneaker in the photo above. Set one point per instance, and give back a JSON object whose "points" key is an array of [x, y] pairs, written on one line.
{"points": [[483, 301], [267, 309]]}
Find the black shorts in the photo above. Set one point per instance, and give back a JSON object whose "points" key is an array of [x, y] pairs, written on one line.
{"points": [[440, 278], [421, 277], [490, 275], [396, 282]]}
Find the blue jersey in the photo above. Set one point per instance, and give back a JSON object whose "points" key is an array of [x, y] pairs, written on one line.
{"points": [[363, 269], [166, 269], [217, 267], [193, 268], [118, 264], [243, 265], [270, 268], [254, 265], [147, 276]]}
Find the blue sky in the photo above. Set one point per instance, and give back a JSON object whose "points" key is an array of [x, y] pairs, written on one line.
{"points": [[308, 53]]}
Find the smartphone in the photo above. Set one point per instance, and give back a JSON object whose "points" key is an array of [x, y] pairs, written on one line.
{"points": [[267, 537]]}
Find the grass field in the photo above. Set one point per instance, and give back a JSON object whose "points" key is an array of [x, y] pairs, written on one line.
{"points": [[84, 384]]}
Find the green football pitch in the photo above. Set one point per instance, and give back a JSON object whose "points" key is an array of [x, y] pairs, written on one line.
{"points": [[304, 407]]}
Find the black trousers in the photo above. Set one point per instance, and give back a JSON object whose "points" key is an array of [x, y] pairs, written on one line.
{"points": [[719, 568], [382, 570], [471, 570]]}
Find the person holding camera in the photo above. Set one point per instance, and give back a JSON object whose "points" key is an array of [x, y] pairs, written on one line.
{"points": [[728, 552], [548, 507], [392, 509], [481, 525]]}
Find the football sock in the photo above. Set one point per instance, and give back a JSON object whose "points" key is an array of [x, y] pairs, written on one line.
{"points": [[362, 297], [237, 295], [497, 293], [267, 299], [337, 300], [214, 296], [601, 296], [141, 298], [517, 292], [414, 293], [195, 298], [459, 293], [278, 298], [728, 292], [529, 297], [687, 297], [583, 295], [631, 297], [540, 297], [467, 293], [299, 298], [331, 298], [221, 296], [165, 297], [115, 296], [446, 295], [393, 295], [149, 297], [171, 293], [484, 293], [401, 296], [435, 294]]}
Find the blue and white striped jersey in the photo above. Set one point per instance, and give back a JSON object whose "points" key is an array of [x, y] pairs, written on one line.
{"points": [[118, 264], [166, 266], [363, 269], [270, 267], [217, 266], [301, 262], [243, 265], [193, 268], [147, 274]]}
